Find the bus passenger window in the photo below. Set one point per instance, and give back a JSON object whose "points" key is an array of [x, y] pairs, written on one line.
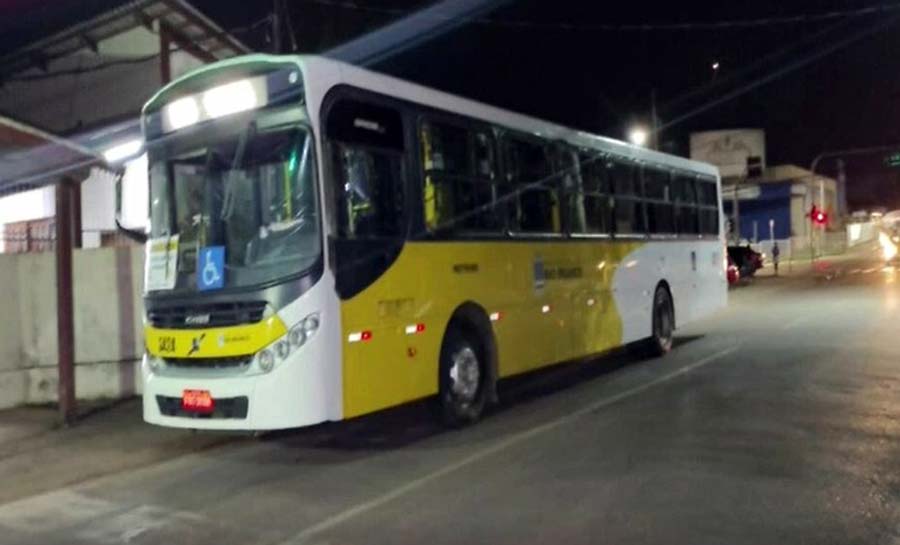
{"points": [[369, 193], [367, 161], [485, 162], [708, 198], [459, 186], [530, 173], [686, 213], [596, 192], [629, 209], [658, 197]]}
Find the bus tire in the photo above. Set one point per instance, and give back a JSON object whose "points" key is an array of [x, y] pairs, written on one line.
{"points": [[663, 324], [463, 387]]}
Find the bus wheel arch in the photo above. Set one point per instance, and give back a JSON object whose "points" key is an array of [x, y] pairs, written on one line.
{"points": [[469, 326]]}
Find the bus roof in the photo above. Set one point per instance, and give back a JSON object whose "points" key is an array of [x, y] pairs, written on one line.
{"points": [[427, 96], [330, 72]]}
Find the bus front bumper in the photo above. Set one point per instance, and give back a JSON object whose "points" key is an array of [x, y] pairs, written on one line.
{"points": [[297, 392]]}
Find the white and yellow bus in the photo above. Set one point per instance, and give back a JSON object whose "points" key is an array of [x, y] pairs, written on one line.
{"points": [[326, 242]]}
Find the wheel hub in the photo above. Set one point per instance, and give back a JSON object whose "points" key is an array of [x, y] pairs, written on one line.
{"points": [[465, 373]]}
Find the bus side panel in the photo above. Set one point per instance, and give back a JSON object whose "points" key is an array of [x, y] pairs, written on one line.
{"points": [[695, 275], [554, 300], [419, 291]]}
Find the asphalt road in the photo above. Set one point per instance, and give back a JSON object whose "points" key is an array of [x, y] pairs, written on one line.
{"points": [[778, 421]]}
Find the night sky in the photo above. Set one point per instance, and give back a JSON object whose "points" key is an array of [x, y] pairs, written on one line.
{"points": [[569, 70]]}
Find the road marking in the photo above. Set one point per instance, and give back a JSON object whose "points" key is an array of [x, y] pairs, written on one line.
{"points": [[873, 269], [515, 439]]}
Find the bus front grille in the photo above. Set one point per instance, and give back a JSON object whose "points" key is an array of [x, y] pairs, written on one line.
{"points": [[209, 315], [209, 363]]}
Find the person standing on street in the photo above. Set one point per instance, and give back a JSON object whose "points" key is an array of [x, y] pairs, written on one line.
{"points": [[775, 253]]}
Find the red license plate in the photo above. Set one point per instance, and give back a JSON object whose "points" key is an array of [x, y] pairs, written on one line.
{"points": [[197, 401]]}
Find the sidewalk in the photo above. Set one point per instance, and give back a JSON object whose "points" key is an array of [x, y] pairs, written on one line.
{"points": [[36, 455], [826, 266]]}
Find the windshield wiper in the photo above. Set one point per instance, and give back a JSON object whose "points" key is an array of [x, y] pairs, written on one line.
{"points": [[236, 161]]}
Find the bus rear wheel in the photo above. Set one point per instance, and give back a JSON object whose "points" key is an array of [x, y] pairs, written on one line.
{"points": [[660, 343], [464, 377]]}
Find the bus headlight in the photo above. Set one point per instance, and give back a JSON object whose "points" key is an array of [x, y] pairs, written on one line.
{"points": [[282, 349], [296, 337], [310, 324], [266, 360], [154, 363]]}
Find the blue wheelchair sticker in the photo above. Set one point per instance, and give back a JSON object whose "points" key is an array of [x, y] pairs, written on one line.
{"points": [[211, 268]]}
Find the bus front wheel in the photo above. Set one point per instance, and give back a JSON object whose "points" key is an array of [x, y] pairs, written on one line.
{"points": [[464, 378]]}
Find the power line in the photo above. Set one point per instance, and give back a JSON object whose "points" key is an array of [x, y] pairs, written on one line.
{"points": [[83, 70], [640, 27], [746, 69]]}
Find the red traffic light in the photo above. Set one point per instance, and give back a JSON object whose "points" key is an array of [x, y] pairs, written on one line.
{"points": [[819, 217]]}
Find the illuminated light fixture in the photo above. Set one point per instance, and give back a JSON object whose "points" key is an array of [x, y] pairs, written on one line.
{"points": [[216, 102], [601, 265], [374, 126], [545, 309], [230, 98], [415, 328], [888, 248], [122, 151], [496, 316], [182, 113], [638, 136], [715, 65], [359, 336], [591, 302]]}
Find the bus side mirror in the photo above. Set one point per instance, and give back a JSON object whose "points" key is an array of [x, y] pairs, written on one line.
{"points": [[137, 235]]}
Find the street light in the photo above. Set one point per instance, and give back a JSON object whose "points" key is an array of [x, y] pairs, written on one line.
{"points": [[638, 136]]}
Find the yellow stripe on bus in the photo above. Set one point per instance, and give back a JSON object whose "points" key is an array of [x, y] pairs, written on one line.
{"points": [[218, 342]]}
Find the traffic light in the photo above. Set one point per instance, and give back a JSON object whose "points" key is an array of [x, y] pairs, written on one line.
{"points": [[818, 217]]}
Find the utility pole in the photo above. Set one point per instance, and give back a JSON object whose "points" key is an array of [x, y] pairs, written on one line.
{"points": [[66, 200], [841, 189], [654, 122], [736, 210], [276, 26]]}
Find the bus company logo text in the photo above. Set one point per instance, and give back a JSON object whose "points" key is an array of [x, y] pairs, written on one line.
{"points": [[228, 339], [196, 319], [562, 273]]}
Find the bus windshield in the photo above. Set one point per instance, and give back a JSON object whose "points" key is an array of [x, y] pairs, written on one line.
{"points": [[253, 195]]}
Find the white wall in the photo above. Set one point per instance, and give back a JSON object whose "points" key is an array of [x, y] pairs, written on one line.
{"points": [[729, 149], [108, 335], [135, 194], [98, 202]]}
